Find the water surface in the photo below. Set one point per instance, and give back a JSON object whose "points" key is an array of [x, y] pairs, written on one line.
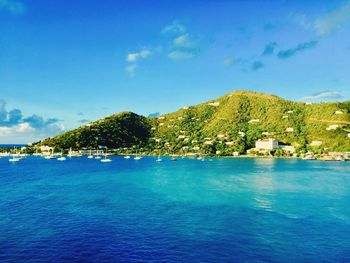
{"points": [[219, 210]]}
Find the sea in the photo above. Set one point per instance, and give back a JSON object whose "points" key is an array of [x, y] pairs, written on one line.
{"points": [[188, 210]]}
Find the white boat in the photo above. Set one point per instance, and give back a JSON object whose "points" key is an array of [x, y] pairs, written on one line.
{"points": [[137, 157], [158, 159], [127, 157], [106, 160], [97, 157], [309, 157], [90, 156], [49, 157], [62, 158], [14, 159]]}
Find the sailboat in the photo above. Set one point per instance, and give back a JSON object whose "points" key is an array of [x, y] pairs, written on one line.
{"points": [[106, 160], [90, 155], [61, 158], [15, 157], [158, 159]]}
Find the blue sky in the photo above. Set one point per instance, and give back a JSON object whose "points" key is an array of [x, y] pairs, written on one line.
{"points": [[63, 63]]}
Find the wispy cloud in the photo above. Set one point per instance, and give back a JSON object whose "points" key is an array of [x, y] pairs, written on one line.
{"points": [[287, 53], [333, 20], [256, 65], [183, 45], [175, 27], [327, 94], [131, 70], [12, 6], [269, 49], [133, 58]]}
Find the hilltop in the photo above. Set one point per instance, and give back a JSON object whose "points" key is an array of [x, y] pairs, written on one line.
{"points": [[229, 123]]}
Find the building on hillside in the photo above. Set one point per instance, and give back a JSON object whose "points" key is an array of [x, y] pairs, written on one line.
{"points": [[338, 112], [290, 129], [266, 144], [46, 150], [287, 148], [332, 127], [316, 143]]}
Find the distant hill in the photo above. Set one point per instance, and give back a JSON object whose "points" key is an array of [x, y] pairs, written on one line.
{"points": [[230, 123]]}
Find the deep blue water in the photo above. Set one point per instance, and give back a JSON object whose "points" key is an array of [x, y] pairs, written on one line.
{"points": [[223, 210]]}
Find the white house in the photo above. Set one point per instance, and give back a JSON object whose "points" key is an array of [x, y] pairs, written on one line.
{"points": [[338, 112], [332, 127], [287, 148], [266, 144], [46, 150], [316, 143], [254, 121], [290, 129]]}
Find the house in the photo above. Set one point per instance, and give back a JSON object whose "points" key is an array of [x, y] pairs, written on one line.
{"points": [[290, 129], [215, 104], [316, 143], [235, 154], [332, 127], [221, 136], [266, 144], [46, 150], [266, 133], [229, 143], [242, 134], [338, 112], [185, 108], [208, 142], [285, 117], [254, 121], [287, 148]]}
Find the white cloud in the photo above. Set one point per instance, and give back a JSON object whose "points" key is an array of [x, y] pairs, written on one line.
{"points": [[183, 41], [12, 6], [180, 55], [175, 27], [133, 57], [16, 130], [130, 69], [333, 20], [325, 95]]}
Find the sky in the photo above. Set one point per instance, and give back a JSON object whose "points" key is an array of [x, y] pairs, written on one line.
{"points": [[65, 63]]}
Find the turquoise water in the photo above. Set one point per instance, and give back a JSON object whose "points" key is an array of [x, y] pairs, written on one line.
{"points": [[220, 210]]}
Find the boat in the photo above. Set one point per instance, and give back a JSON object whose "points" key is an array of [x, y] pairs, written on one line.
{"points": [[14, 159], [158, 159], [127, 157], [49, 156], [106, 160], [138, 157], [90, 156], [173, 158], [62, 158], [309, 157]]}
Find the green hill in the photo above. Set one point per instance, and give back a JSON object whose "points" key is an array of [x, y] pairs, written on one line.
{"points": [[230, 123]]}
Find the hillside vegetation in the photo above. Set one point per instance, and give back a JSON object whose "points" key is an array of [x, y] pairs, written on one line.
{"points": [[230, 123]]}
